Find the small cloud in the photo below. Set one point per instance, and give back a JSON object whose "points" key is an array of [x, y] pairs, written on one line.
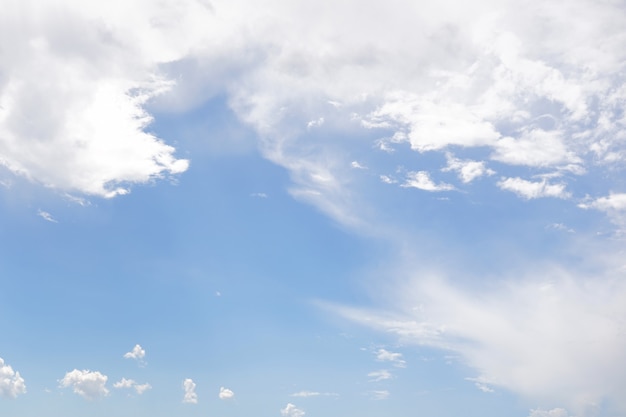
{"points": [[129, 383], [138, 353], [357, 165], [306, 394], [315, 123], [259, 195], [291, 410], [190, 396], [387, 180], [225, 394], [467, 171], [46, 216], [560, 227], [481, 384], [555, 412], [421, 180], [89, 385], [11, 383], [218, 294], [381, 375], [379, 395], [396, 358], [531, 190]]}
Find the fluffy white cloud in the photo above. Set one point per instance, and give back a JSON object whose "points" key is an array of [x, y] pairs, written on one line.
{"points": [[190, 396], [138, 353], [72, 96], [291, 410], [533, 189], [384, 355], [129, 383], [422, 181], [11, 383], [226, 394], [90, 385], [611, 203]]}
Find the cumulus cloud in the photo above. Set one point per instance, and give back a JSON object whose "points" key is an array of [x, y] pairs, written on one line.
{"points": [[611, 203], [90, 385], [137, 353], [72, 101], [384, 355], [421, 180], [226, 394], [291, 410], [190, 396], [533, 189], [129, 383], [11, 383]]}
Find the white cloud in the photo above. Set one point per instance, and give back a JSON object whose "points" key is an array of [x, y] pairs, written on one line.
{"points": [[553, 336], [357, 165], [137, 353], [90, 385], [534, 148], [422, 181], [291, 410], [533, 189], [129, 383], [387, 179], [190, 396], [226, 394], [467, 171], [384, 355], [555, 412], [11, 383], [381, 375], [46, 216], [379, 395], [72, 100], [306, 394], [611, 203], [481, 384]]}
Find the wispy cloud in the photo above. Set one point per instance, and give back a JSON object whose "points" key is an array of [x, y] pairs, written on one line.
{"points": [[384, 355], [46, 216]]}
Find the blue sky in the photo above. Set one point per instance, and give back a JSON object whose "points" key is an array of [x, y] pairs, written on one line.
{"points": [[312, 208]]}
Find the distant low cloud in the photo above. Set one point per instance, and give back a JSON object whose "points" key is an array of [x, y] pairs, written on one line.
{"points": [[306, 394], [379, 394], [90, 385], [226, 394], [11, 383], [555, 412], [291, 410], [190, 396], [381, 375]]}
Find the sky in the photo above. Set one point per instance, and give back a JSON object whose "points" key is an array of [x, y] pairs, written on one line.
{"points": [[281, 208]]}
